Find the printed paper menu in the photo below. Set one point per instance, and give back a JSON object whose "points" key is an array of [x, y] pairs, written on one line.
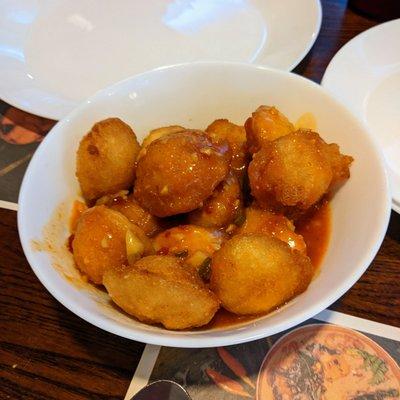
{"points": [[330, 357]]}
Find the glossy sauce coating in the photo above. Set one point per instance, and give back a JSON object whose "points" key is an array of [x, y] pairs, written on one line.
{"points": [[316, 231], [179, 172]]}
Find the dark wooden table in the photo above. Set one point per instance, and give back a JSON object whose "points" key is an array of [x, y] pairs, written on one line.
{"points": [[46, 352]]}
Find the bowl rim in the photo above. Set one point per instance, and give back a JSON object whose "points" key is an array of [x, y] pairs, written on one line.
{"points": [[170, 338]]}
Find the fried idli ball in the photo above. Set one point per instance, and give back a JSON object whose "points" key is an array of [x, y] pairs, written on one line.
{"points": [[128, 206], [296, 170], [159, 289], [105, 161], [223, 130], [179, 172], [253, 273], [266, 124], [193, 244], [222, 207], [270, 224], [157, 134], [340, 164], [100, 241]]}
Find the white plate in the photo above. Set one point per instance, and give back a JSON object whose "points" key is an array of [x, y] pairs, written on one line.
{"points": [[360, 209], [365, 75], [55, 53]]}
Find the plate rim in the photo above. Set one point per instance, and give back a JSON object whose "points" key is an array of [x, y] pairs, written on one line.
{"points": [[57, 117], [331, 68]]}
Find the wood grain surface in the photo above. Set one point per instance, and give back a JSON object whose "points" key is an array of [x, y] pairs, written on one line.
{"points": [[46, 352]]}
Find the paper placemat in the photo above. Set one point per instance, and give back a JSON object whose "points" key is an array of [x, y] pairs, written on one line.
{"points": [[333, 355], [20, 135]]}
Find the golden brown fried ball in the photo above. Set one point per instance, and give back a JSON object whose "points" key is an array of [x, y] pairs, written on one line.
{"points": [[179, 171], [296, 170], [157, 134], [191, 243], [270, 224], [253, 274], [100, 241], [222, 130], [222, 207], [266, 124], [105, 161], [340, 164], [158, 289], [127, 205]]}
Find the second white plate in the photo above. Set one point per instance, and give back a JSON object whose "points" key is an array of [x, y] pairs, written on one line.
{"points": [[365, 76], [55, 53]]}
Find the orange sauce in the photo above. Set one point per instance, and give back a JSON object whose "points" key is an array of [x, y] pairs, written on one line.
{"points": [[77, 209], [53, 243], [315, 230], [224, 318]]}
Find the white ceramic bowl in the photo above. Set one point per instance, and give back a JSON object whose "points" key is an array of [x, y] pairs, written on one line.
{"points": [[193, 95]]}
